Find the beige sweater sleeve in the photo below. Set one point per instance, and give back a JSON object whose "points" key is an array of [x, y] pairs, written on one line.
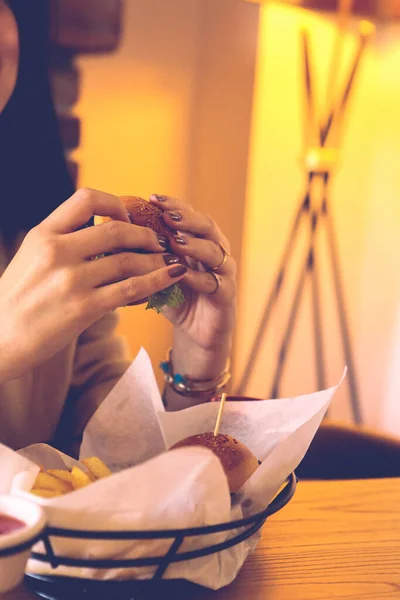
{"points": [[101, 358]]}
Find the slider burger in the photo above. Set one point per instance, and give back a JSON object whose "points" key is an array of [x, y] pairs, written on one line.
{"points": [[145, 214], [237, 461]]}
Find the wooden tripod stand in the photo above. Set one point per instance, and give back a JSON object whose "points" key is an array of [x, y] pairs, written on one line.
{"points": [[314, 212]]}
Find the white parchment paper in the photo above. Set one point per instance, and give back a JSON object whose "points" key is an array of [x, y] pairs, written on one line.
{"points": [[152, 489]]}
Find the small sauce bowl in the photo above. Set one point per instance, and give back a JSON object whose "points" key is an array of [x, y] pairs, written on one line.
{"points": [[21, 524]]}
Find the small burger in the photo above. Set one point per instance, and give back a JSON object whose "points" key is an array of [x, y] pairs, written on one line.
{"points": [[238, 462], [143, 213]]}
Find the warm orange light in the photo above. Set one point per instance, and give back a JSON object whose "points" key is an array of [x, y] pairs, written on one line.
{"points": [[381, 10], [367, 28], [363, 201], [321, 159]]}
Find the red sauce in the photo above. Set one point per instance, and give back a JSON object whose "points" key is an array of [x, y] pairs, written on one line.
{"points": [[9, 524]]}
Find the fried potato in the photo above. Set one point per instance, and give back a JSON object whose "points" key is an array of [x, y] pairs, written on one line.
{"points": [[46, 493], [56, 482], [62, 474], [96, 466], [80, 479], [44, 481]]}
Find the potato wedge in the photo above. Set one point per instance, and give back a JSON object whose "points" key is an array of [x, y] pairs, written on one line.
{"points": [[79, 478], [45, 481], [96, 467], [55, 482], [62, 474]]}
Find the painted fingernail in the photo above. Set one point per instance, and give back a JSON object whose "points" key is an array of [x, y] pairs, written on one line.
{"points": [[170, 259], [158, 197], [177, 271], [129, 216], [162, 241], [180, 240], [175, 216]]}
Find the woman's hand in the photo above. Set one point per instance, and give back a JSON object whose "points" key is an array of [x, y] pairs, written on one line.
{"points": [[203, 324], [52, 290]]}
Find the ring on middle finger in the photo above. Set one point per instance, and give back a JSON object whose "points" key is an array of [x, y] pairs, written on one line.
{"points": [[225, 255]]}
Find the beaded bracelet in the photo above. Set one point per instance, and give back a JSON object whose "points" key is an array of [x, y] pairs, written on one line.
{"points": [[184, 386]]}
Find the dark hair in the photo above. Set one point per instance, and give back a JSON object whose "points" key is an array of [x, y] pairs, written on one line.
{"points": [[34, 178]]}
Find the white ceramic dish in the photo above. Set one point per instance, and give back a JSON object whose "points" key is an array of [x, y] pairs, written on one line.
{"points": [[15, 547]]}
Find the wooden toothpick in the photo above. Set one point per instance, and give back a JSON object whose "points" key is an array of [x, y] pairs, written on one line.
{"points": [[219, 417]]}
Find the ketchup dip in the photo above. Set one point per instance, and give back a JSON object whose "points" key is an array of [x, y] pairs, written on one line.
{"points": [[9, 524]]}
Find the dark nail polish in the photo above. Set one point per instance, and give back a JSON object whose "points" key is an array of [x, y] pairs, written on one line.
{"points": [[180, 240], [160, 198], [177, 271], [175, 216], [170, 259], [162, 241], [129, 216]]}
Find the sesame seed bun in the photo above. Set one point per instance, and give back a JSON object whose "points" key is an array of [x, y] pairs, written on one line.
{"points": [[144, 214], [237, 461]]}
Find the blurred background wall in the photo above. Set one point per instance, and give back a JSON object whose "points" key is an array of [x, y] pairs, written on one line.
{"points": [[203, 100], [170, 112], [365, 201]]}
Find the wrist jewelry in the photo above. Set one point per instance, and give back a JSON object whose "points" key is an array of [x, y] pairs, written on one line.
{"points": [[185, 386]]}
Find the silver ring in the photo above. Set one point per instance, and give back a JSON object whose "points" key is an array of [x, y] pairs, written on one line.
{"points": [[225, 255], [217, 281]]}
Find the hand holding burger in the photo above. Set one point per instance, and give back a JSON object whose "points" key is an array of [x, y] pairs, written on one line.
{"points": [[200, 254], [202, 306], [52, 291], [203, 324]]}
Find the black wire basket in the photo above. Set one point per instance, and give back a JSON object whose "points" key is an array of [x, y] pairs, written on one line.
{"points": [[55, 587]]}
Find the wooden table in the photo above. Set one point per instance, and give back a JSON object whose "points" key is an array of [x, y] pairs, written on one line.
{"points": [[335, 540]]}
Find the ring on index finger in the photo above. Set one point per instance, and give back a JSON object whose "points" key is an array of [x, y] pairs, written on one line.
{"points": [[225, 255]]}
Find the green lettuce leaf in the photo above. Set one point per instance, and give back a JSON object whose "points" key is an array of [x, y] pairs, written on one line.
{"points": [[171, 296]]}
